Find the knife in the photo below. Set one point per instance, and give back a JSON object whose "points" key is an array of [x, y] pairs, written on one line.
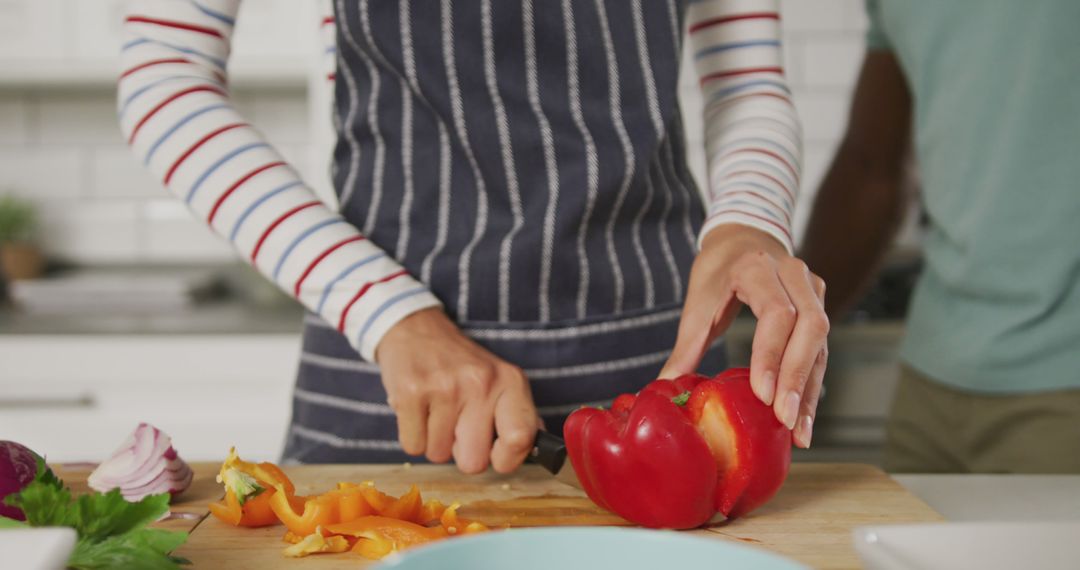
{"points": [[549, 451]]}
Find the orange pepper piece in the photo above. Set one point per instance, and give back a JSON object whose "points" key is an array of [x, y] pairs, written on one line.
{"points": [[454, 525], [381, 535], [303, 518], [353, 505], [291, 537], [256, 511], [317, 543], [431, 512], [407, 508]]}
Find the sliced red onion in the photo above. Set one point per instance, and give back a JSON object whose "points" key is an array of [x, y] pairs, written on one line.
{"points": [[146, 464]]}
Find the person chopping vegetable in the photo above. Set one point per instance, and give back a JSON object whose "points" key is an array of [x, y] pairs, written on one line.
{"points": [[518, 233]]}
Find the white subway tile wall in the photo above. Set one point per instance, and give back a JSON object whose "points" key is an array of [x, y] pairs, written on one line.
{"points": [[61, 147]]}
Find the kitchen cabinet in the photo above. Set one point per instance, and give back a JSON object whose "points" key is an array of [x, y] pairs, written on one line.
{"points": [[75, 397]]}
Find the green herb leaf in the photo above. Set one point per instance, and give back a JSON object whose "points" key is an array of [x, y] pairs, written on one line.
{"points": [[44, 504], [46, 475], [99, 515], [112, 531], [145, 549], [681, 399]]}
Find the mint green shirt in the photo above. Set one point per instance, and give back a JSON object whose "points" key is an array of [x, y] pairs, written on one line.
{"points": [[996, 94]]}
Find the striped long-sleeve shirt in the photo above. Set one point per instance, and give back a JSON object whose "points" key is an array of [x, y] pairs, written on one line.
{"points": [[177, 114]]}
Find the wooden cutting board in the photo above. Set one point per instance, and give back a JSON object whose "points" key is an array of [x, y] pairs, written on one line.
{"points": [[810, 520]]}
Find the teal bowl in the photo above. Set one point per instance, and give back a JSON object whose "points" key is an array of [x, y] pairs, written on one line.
{"points": [[585, 548]]}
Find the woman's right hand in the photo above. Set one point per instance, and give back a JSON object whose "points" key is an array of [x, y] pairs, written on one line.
{"points": [[451, 395]]}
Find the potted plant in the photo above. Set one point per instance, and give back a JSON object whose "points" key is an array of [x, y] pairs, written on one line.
{"points": [[20, 258]]}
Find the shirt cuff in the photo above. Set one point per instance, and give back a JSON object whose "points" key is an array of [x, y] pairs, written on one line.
{"points": [[745, 219], [396, 308]]}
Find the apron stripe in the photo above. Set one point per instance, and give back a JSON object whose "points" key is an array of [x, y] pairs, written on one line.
{"points": [[506, 145], [457, 107], [407, 186], [353, 100], [591, 160], [556, 373], [615, 101], [665, 240], [479, 332], [372, 118], [333, 440], [551, 168]]}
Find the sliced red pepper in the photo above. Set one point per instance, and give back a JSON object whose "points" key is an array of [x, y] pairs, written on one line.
{"points": [[648, 464], [752, 448], [646, 459]]}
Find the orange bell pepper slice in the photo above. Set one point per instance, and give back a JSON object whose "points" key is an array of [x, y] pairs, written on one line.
{"points": [[254, 513], [408, 507], [454, 525], [303, 515], [248, 489], [431, 512], [379, 535], [317, 543]]}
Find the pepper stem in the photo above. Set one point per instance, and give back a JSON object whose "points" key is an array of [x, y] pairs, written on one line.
{"points": [[681, 399]]}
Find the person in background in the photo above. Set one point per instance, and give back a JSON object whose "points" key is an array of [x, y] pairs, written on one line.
{"points": [[516, 224], [986, 96]]}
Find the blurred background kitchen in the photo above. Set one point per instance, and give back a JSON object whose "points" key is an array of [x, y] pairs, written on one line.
{"points": [[125, 308]]}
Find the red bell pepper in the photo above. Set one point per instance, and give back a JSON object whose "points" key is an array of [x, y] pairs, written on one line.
{"points": [[679, 452]]}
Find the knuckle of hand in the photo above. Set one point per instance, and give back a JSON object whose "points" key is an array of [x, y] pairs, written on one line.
{"points": [[797, 265], [819, 324], [414, 390], [783, 309], [517, 439]]}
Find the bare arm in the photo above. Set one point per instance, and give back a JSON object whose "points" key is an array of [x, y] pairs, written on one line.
{"points": [[861, 202]]}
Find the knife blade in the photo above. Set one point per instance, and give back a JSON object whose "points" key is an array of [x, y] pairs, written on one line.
{"points": [[549, 451]]}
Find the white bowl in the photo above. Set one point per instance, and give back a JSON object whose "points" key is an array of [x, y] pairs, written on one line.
{"points": [[983, 545], [37, 548]]}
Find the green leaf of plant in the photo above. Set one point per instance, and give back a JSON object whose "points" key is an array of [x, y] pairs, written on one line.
{"points": [[99, 515], [44, 504], [46, 475], [139, 550]]}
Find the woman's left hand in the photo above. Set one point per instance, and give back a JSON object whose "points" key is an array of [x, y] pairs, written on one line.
{"points": [[741, 265]]}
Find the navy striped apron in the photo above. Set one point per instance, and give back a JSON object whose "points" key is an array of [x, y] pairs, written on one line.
{"points": [[525, 160]]}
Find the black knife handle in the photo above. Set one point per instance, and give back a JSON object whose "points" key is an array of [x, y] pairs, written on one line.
{"points": [[549, 451]]}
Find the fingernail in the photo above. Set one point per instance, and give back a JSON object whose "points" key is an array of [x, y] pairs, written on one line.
{"points": [[791, 410], [805, 432], [768, 387]]}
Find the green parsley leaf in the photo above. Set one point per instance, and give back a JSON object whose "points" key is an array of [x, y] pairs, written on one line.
{"points": [[99, 515], [112, 532], [146, 549], [46, 475], [44, 504]]}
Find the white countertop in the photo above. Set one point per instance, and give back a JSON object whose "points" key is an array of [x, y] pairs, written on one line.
{"points": [[1009, 498]]}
